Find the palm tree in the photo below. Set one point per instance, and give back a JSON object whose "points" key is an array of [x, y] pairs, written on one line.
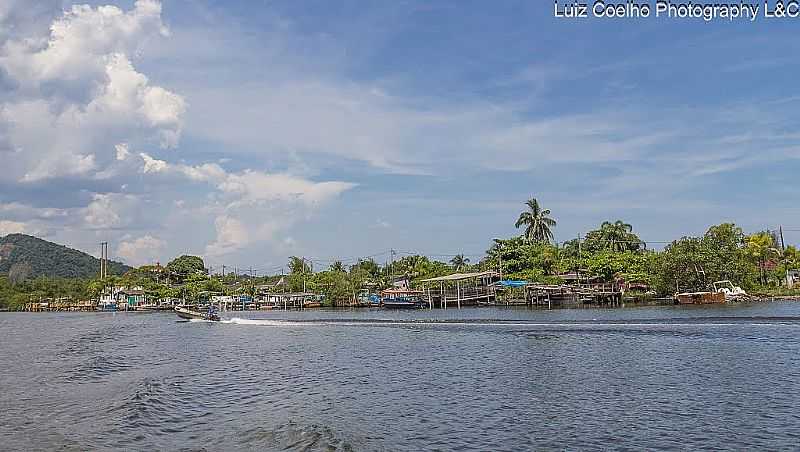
{"points": [[459, 261], [337, 266], [619, 236], [537, 222]]}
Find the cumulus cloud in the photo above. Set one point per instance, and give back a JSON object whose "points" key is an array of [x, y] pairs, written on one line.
{"points": [[110, 210], [80, 42], [231, 235], [142, 250], [76, 92]]}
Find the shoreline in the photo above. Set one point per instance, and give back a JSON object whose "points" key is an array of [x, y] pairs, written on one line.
{"points": [[512, 305]]}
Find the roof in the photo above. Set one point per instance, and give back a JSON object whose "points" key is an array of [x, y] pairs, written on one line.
{"points": [[461, 276], [401, 292], [572, 276], [512, 283]]}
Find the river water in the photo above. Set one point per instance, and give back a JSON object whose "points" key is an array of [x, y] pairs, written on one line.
{"points": [[710, 377]]}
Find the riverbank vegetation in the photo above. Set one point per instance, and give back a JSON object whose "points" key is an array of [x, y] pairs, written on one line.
{"points": [[758, 262]]}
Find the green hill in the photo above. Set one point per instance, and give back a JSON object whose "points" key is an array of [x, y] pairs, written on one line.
{"points": [[30, 257]]}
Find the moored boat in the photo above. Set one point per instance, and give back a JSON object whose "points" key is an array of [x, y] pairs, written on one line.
{"points": [[731, 292], [700, 298], [402, 299]]}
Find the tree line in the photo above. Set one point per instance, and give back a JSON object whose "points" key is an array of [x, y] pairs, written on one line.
{"points": [[611, 252]]}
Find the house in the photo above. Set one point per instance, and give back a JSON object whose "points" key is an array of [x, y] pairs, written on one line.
{"points": [[401, 282], [133, 297], [793, 278]]}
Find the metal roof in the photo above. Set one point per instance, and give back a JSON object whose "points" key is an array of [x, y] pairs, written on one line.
{"points": [[461, 276]]}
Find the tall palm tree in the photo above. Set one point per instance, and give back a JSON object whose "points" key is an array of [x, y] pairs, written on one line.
{"points": [[537, 222], [459, 261], [618, 236], [337, 266]]}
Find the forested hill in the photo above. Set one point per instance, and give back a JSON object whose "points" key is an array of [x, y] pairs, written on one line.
{"points": [[26, 257]]}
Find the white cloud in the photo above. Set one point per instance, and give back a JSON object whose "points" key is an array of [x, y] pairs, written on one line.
{"points": [[122, 151], [12, 227], [152, 165], [100, 213], [256, 187], [80, 41], [231, 236], [143, 250], [76, 91], [110, 210]]}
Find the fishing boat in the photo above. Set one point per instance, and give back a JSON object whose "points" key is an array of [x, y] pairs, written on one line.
{"points": [[189, 314], [402, 299]]}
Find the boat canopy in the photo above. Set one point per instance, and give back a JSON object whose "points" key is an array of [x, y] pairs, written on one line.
{"points": [[512, 283]]}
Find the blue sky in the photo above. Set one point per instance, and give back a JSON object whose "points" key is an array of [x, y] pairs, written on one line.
{"points": [[251, 131]]}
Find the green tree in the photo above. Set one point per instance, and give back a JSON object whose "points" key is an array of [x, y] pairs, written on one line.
{"points": [[298, 265], [180, 268], [537, 222], [369, 266], [617, 236], [761, 248], [337, 266], [459, 262]]}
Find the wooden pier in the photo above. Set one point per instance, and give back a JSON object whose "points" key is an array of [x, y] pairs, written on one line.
{"points": [[459, 289]]}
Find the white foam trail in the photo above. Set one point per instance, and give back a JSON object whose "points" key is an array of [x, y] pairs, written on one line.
{"points": [[264, 322], [290, 323]]}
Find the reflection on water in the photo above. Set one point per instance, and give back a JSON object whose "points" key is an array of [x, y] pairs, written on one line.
{"points": [[471, 379]]}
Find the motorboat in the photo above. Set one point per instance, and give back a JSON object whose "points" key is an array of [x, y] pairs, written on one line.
{"points": [[732, 293], [402, 299], [190, 314]]}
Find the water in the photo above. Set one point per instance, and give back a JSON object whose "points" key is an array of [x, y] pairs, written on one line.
{"points": [[719, 377]]}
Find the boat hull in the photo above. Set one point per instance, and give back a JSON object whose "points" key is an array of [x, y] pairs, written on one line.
{"points": [[700, 298], [401, 305], [189, 314]]}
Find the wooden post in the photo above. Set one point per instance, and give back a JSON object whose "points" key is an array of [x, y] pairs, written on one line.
{"points": [[430, 300], [443, 300], [458, 294]]}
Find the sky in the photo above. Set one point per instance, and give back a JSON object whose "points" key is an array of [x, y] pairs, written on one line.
{"points": [[250, 131]]}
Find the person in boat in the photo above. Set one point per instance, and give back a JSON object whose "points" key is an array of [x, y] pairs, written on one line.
{"points": [[212, 312]]}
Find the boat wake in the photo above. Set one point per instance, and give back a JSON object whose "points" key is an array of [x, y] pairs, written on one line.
{"points": [[578, 324], [266, 322]]}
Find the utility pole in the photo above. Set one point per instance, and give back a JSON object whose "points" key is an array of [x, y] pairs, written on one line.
{"points": [[223, 271], [580, 259], [303, 262], [391, 267], [785, 262], [103, 260]]}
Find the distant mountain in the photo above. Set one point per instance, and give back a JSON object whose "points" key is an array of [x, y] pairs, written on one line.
{"points": [[31, 257]]}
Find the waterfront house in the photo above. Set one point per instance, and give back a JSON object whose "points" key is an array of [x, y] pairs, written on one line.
{"points": [[130, 297], [401, 282]]}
